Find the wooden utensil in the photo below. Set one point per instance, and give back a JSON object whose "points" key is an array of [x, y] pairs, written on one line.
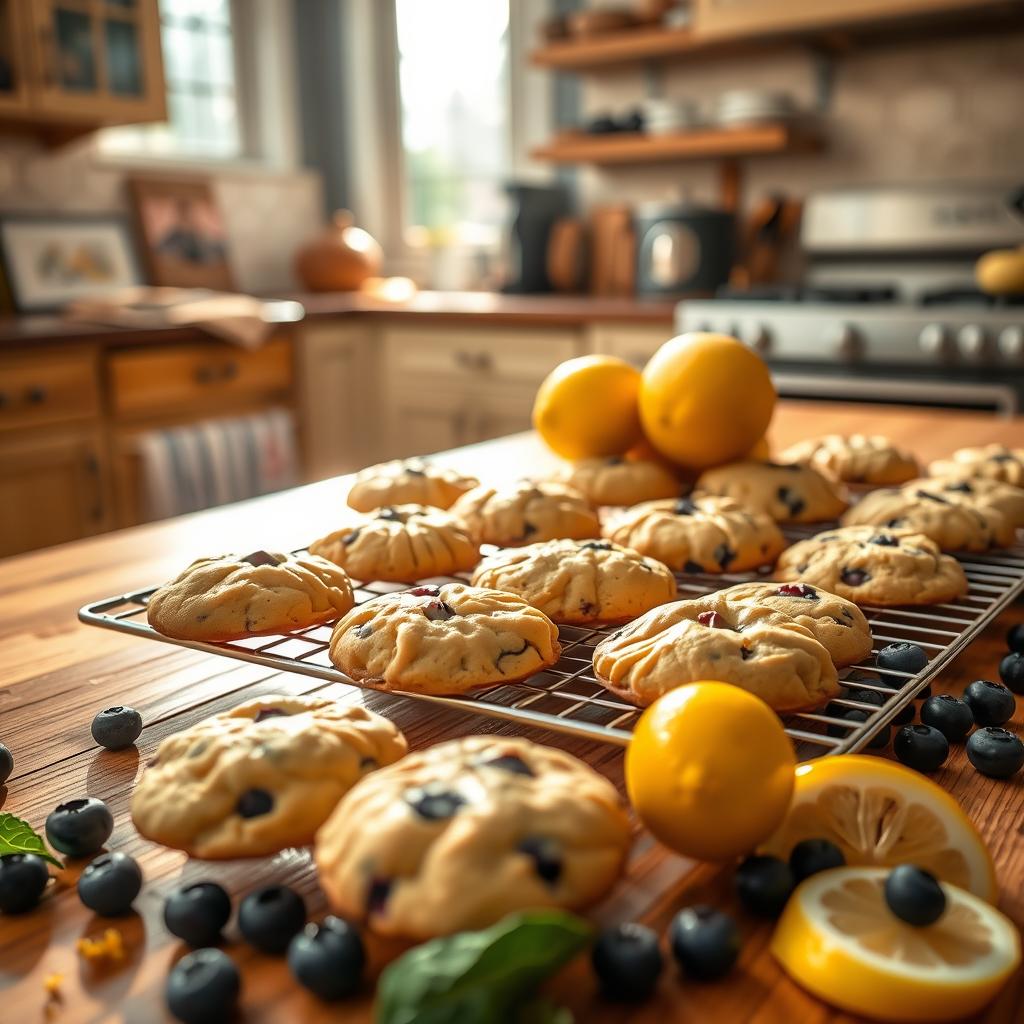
{"points": [[567, 255], [611, 228]]}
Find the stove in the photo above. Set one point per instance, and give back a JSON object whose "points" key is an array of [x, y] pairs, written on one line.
{"points": [[888, 310]]}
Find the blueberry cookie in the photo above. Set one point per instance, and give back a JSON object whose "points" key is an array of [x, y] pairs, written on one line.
{"points": [[400, 543], [230, 597], [407, 482], [788, 493], [700, 534], [457, 836], [854, 458], [875, 565], [261, 777], [525, 513], [617, 480], [970, 514], [579, 581], [443, 640], [994, 461]]}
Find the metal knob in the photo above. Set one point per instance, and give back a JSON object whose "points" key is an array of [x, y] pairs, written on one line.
{"points": [[1011, 342], [757, 337], [972, 341], [934, 340], [844, 340]]}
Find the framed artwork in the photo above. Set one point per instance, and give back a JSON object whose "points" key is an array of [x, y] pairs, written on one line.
{"points": [[51, 259], [183, 235]]}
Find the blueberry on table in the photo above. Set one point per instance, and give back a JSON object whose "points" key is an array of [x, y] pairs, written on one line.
{"points": [[328, 958], [1011, 671], [990, 703], [764, 884], [705, 942], [117, 727], [857, 717], [79, 828], [203, 987], [995, 752], [108, 886], [921, 747], [6, 763], [268, 918], [1015, 638], [950, 715], [627, 962], [23, 877], [197, 913], [810, 856], [914, 895], [902, 657]]}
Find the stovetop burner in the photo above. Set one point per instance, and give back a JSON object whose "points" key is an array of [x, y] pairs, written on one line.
{"points": [[832, 294]]}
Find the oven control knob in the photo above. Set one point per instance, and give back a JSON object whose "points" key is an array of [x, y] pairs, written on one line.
{"points": [[844, 340], [934, 340], [757, 337], [1011, 342], [972, 341]]}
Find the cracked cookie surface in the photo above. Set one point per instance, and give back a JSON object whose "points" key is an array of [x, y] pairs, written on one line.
{"points": [[261, 777], [854, 458], [993, 461], [230, 597], [579, 582], [407, 482], [459, 835], [617, 480], [789, 493], [445, 639]]}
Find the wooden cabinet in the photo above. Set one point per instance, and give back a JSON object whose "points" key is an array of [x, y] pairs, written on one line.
{"points": [[13, 76], [632, 342]]}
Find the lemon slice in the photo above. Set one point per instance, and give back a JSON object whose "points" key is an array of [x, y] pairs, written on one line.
{"points": [[880, 813], [838, 939]]}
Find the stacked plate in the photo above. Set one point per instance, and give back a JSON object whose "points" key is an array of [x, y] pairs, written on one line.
{"points": [[750, 106], [663, 117]]}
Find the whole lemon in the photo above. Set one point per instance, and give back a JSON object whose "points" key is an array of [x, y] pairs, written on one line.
{"points": [[710, 770], [705, 399], [588, 407]]}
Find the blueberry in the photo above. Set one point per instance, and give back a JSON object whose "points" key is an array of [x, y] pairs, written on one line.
{"points": [[109, 885], [253, 803], [79, 828], [866, 697], [914, 895], [269, 917], [512, 763], [6, 763], [856, 717], [854, 577], [1011, 671], [902, 657], [764, 884], [991, 703], [951, 716], [1015, 638], [328, 958], [197, 913], [995, 752], [705, 942], [433, 802], [810, 856], [203, 987], [117, 728], [921, 747], [906, 716], [23, 877], [546, 855], [627, 962]]}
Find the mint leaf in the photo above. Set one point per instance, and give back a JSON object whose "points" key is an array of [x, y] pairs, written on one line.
{"points": [[488, 975], [16, 836]]}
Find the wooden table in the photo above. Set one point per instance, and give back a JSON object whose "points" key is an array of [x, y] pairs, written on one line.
{"points": [[55, 675]]}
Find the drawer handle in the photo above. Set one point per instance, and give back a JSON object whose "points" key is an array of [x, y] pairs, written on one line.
{"points": [[36, 395], [480, 361], [205, 374], [5, 400], [229, 371]]}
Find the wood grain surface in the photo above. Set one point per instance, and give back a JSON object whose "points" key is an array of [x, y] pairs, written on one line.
{"points": [[55, 674]]}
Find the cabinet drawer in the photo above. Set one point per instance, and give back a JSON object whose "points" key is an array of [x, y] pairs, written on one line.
{"points": [[635, 344], [47, 388], [201, 377]]}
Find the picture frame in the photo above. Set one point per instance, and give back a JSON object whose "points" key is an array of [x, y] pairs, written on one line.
{"points": [[182, 233], [49, 260]]}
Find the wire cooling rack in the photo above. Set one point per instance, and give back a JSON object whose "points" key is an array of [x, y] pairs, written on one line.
{"points": [[569, 699]]}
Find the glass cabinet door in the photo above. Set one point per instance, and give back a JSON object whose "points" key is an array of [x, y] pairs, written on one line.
{"points": [[13, 94]]}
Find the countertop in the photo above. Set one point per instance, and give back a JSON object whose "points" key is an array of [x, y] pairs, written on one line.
{"points": [[55, 674]]}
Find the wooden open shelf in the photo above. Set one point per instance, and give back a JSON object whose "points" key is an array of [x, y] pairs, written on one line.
{"points": [[627, 47]]}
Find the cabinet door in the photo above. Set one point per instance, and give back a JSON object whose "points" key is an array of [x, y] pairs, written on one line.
{"points": [[425, 420], [636, 344], [51, 490], [13, 84], [504, 412]]}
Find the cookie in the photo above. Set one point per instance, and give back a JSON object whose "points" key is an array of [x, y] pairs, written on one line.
{"points": [[400, 543], [699, 534], [993, 461], [525, 513], [455, 837], [407, 482], [261, 777], [231, 597], [788, 493], [443, 640], [854, 458], [617, 480], [579, 582], [876, 566]]}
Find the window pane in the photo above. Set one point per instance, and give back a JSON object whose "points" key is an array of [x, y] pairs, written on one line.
{"points": [[124, 69], [76, 61]]}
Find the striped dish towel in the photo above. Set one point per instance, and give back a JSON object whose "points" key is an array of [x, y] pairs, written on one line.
{"points": [[185, 469]]}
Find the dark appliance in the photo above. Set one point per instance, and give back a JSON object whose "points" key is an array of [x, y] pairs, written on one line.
{"points": [[535, 208], [682, 249]]}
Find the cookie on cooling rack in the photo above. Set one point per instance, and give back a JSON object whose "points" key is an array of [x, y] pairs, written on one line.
{"points": [[618, 480], [400, 543], [789, 493], [459, 835], [704, 533], [993, 461], [447, 639], [261, 777], [230, 597], [854, 458], [876, 566], [579, 581], [407, 482]]}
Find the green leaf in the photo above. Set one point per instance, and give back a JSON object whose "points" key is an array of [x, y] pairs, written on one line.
{"points": [[480, 976], [543, 1011], [16, 836]]}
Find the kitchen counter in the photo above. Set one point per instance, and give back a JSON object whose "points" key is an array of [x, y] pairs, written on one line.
{"points": [[55, 674]]}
